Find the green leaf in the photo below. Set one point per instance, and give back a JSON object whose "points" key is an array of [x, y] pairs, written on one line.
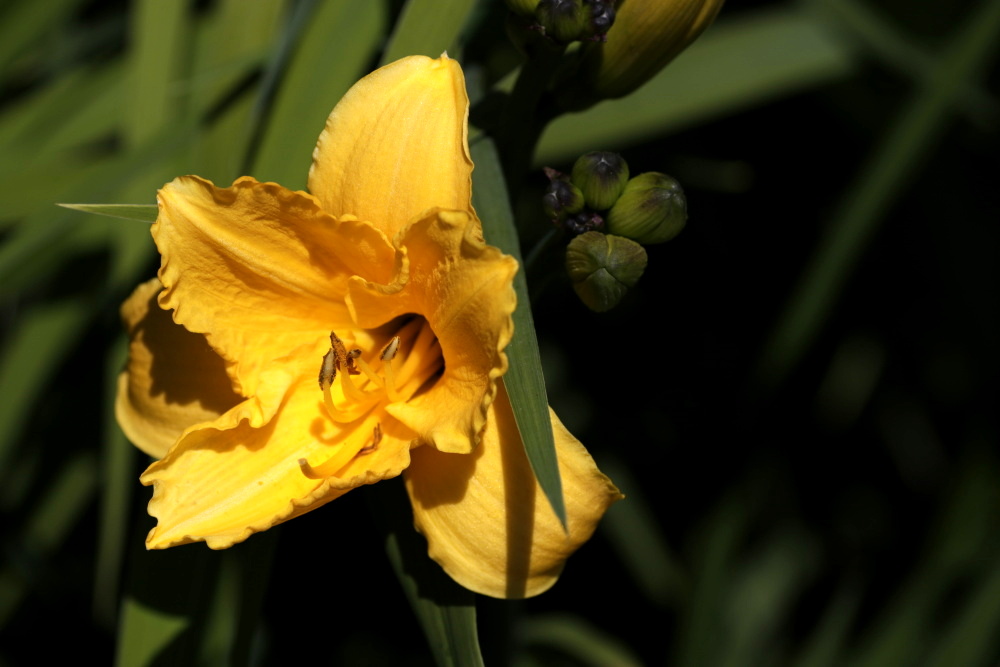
{"points": [[445, 610], [140, 212], [427, 27], [734, 65], [524, 379]]}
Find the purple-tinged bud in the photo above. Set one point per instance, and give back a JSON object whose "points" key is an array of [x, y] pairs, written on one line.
{"points": [[561, 199], [602, 17], [584, 221]]}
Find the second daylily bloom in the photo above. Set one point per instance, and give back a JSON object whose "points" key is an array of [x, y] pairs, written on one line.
{"points": [[296, 346]]}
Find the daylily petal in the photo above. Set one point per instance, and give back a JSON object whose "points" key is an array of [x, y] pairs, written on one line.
{"points": [[259, 269], [224, 481], [173, 379], [464, 289], [486, 520], [396, 145]]}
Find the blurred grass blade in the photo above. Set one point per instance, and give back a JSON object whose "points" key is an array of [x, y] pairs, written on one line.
{"points": [[339, 40], [962, 534], [140, 212], [826, 645], [582, 643], [35, 349], [972, 639], [427, 27], [702, 637], [118, 480], [908, 143], [736, 64], [68, 494], [445, 610], [881, 37], [766, 584], [524, 380], [633, 528], [230, 626], [27, 22], [158, 34], [164, 612]]}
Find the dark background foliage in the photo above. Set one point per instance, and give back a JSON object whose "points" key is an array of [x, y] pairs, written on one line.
{"points": [[814, 498]]}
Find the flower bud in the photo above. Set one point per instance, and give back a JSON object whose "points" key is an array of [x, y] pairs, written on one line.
{"points": [[561, 198], [647, 35], [523, 8], [603, 268], [652, 209], [602, 17], [601, 176], [563, 20], [584, 221]]}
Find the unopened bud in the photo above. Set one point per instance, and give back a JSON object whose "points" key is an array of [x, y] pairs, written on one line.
{"points": [[584, 221], [647, 34], [561, 198], [652, 209], [602, 17], [601, 176], [603, 268], [523, 8], [564, 21]]}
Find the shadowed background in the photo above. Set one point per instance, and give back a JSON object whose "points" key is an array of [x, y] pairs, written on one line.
{"points": [[798, 398]]}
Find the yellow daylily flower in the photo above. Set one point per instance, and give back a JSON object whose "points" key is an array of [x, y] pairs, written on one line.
{"points": [[296, 346]]}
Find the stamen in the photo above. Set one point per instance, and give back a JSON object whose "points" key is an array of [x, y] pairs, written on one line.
{"points": [[369, 373], [351, 390], [376, 438], [342, 457], [327, 371], [338, 359], [386, 356]]}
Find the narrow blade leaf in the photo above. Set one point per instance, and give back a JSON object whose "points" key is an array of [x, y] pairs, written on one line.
{"points": [[140, 212], [524, 380]]}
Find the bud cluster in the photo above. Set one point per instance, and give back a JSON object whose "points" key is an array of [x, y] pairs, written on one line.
{"points": [[599, 196], [565, 21]]}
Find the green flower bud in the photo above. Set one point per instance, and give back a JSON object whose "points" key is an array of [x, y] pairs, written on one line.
{"points": [[561, 198], [603, 268], [563, 20], [523, 8], [647, 34], [652, 209], [601, 176]]}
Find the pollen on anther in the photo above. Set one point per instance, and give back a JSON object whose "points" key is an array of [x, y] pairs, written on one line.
{"points": [[390, 349], [328, 370], [376, 439]]}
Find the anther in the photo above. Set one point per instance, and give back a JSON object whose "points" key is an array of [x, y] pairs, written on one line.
{"points": [[386, 355], [376, 438], [327, 371], [390, 349]]}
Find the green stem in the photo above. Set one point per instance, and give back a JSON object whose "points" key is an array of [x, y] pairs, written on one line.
{"points": [[521, 123]]}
